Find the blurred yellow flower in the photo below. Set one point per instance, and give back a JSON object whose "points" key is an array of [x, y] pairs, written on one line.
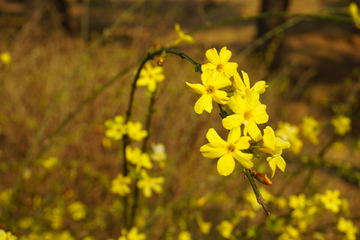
{"points": [[182, 37], [150, 77], [290, 133], [204, 226], [341, 124], [26, 222], [6, 235], [50, 162], [133, 234], [116, 128], [184, 235], [212, 82], [290, 233], [5, 197], [135, 132], [159, 154], [243, 87], [77, 210], [274, 146], [120, 185], [5, 57], [310, 129], [148, 184], [136, 157], [354, 13], [225, 228], [248, 111], [297, 201], [347, 227], [220, 62], [331, 200], [227, 150]]}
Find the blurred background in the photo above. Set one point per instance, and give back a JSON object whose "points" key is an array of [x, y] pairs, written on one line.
{"points": [[62, 83]]}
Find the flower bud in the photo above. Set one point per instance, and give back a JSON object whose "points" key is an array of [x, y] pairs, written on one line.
{"points": [[161, 58], [261, 177]]}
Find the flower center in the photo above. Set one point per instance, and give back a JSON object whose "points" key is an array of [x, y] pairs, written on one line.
{"points": [[220, 67], [231, 147], [210, 89], [248, 115]]}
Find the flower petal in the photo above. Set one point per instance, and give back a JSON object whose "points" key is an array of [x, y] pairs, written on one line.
{"points": [[238, 83], [254, 131], [221, 81], [196, 88], [230, 68], [237, 104], [213, 137], [232, 121], [243, 143], [259, 87], [259, 114], [203, 103], [213, 56], [225, 55], [220, 97], [269, 138], [226, 165], [211, 151], [245, 159], [234, 135], [246, 78]]}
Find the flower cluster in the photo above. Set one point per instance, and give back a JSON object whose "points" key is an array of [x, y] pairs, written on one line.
{"points": [[242, 112], [117, 128]]}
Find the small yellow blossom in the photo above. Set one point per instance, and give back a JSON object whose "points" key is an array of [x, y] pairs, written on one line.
{"points": [[135, 156], [55, 216], [290, 133], [26, 222], [204, 226], [5, 57], [297, 201], [212, 82], [148, 184], [310, 129], [116, 128], [77, 210], [50, 162], [135, 132], [184, 235], [120, 185], [248, 111], [331, 200], [274, 146], [6, 235], [159, 154], [182, 37], [225, 228], [347, 227], [133, 234], [220, 62], [227, 150], [341, 124], [243, 87], [150, 77], [354, 13], [290, 233]]}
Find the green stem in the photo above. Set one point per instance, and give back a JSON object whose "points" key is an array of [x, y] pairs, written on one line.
{"points": [[259, 197]]}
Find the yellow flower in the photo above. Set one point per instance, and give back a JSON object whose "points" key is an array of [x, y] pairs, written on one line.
{"points": [[331, 200], [227, 150], [341, 124], [120, 185], [135, 132], [133, 234], [148, 184], [310, 129], [225, 228], [77, 210], [212, 82], [5, 57], [116, 128], [184, 235], [135, 156], [347, 227], [243, 88], [182, 37], [150, 76], [6, 235], [274, 146], [159, 154], [50, 162], [354, 13], [248, 111], [297, 202], [204, 226], [290, 233], [290, 133], [220, 62]]}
